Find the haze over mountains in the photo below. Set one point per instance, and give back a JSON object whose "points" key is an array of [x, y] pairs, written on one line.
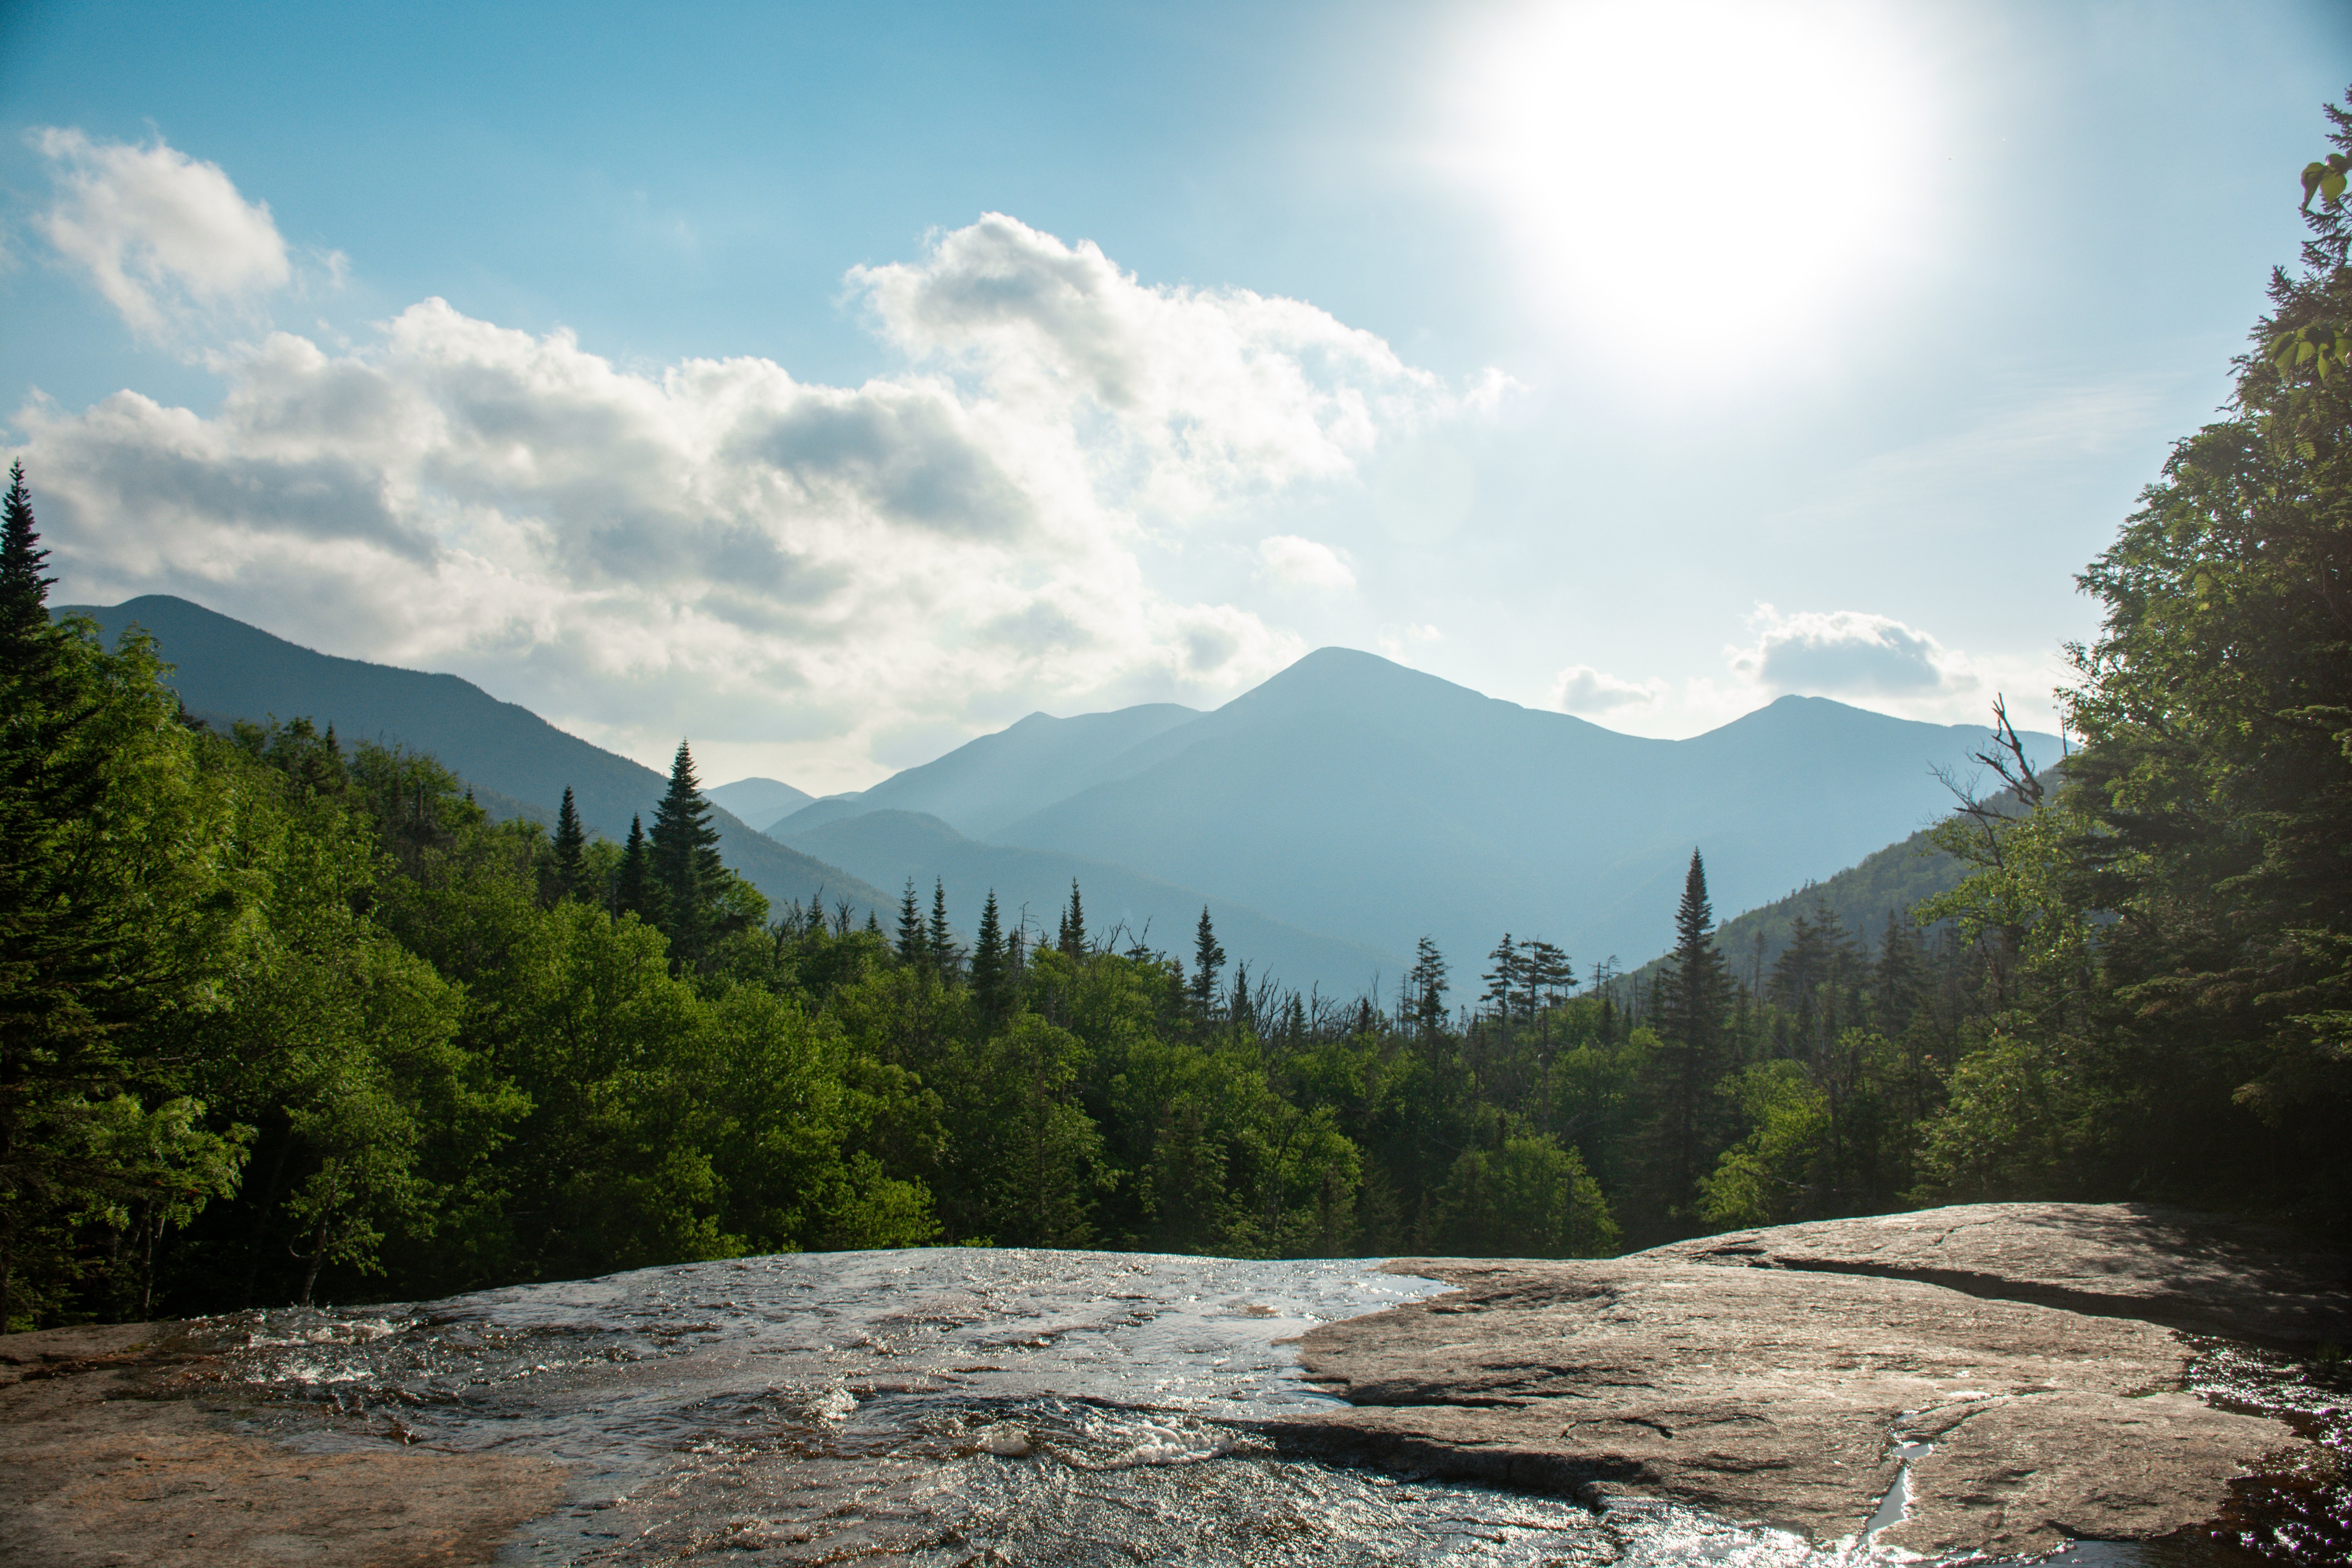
{"points": [[1374, 803], [1328, 818]]}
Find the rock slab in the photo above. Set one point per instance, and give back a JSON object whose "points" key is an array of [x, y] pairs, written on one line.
{"points": [[1781, 1375]]}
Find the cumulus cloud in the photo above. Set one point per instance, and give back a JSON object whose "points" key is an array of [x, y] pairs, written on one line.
{"points": [[1846, 653], [1302, 563], [801, 576], [160, 235], [1580, 688]]}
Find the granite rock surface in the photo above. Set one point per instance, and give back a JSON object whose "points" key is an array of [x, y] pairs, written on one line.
{"points": [[1791, 1375]]}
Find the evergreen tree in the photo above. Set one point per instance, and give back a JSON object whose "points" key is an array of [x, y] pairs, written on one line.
{"points": [[911, 944], [1503, 981], [1240, 1009], [23, 592], [571, 843], [1696, 989], [684, 849], [992, 976], [939, 940], [1425, 988], [635, 890], [1073, 925], [1208, 958]]}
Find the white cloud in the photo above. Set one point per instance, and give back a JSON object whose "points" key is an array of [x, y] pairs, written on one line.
{"points": [[1302, 563], [1846, 653], [162, 236], [1580, 688], [804, 578]]}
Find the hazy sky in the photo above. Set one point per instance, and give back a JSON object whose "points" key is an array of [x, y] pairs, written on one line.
{"points": [[832, 384]]}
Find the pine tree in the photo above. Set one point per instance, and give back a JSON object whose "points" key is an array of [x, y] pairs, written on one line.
{"points": [[28, 646], [1073, 925], [941, 938], [911, 945], [1425, 988], [1208, 958], [23, 592], [992, 980], [683, 855], [1503, 979], [635, 890], [1243, 1012], [571, 843], [1692, 995]]}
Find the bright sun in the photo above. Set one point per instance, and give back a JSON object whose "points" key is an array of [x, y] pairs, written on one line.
{"points": [[1697, 175]]}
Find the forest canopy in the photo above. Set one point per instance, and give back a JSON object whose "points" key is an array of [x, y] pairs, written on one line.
{"points": [[284, 1019]]}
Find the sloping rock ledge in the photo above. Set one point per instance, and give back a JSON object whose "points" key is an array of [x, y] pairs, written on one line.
{"points": [[1783, 1375], [2023, 1369]]}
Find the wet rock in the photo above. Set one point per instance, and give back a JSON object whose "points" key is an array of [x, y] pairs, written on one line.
{"points": [[2200, 1272], [947, 1406], [1777, 1376], [102, 1465]]}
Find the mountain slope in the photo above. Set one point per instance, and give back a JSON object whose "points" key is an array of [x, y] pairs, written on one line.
{"points": [[226, 669], [888, 846], [983, 784], [1376, 803]]}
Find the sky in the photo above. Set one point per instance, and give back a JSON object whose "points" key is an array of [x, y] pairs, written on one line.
{"points": [[831, 385]]}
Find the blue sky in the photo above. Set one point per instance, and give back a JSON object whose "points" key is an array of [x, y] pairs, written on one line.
{"points": [[1643, 360]]}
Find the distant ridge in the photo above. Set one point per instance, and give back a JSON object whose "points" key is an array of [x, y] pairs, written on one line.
{"points": [[758, 801], [984, 783], [518, 763]]}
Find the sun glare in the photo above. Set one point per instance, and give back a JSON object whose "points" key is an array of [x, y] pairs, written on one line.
{"points": [[1698, 175]]}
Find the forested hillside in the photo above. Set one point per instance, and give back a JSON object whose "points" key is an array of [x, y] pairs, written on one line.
{"points": [[283, 1018], [516, 762]]}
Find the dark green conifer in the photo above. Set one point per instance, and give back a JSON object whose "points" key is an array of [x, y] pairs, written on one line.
{"points": [[1208, 958], [939, 939], [1690, 997], [1503, 981], [992, 981], [1425, 987], [23, 592], [635, 890], [571, 843], [683, 855], [1074, 924], [911, 943]]}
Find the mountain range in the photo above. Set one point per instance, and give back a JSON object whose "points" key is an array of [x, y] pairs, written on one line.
{"points": [[1328, 818], [1373, 804]]}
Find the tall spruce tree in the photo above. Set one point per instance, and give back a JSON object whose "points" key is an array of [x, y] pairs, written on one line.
{"points": [[1425, 987], [1208, 958], [23, 592], [992, 975], [1503, 981], [1695, 990], [683, 849], [1074, 924], [571, 845], [939, 937], [911, 943], [636, 892]]}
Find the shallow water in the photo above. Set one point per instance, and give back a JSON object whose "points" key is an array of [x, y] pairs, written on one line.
{"points": [[952, 1406]]}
